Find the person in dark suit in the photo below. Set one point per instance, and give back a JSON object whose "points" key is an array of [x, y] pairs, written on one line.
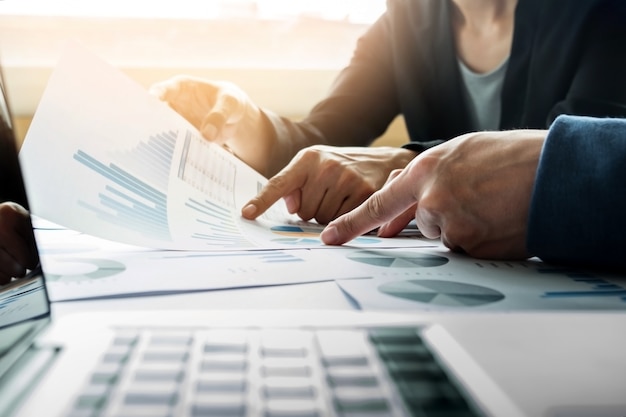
{"points": [[449, 67]]}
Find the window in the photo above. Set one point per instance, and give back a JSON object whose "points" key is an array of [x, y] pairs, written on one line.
{"points": [[294, 46]]}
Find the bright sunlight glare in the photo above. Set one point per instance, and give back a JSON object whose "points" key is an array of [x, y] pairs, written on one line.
{"points": [[353, 11]]}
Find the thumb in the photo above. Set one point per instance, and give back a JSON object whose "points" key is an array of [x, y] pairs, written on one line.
{"points": [[228, 109]]}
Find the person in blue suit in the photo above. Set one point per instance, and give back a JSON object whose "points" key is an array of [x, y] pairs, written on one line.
{"points": [[558, 194]]}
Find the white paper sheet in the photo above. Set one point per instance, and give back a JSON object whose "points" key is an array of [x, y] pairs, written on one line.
{"points": [[435, 279], [79, 266], [104, 157]]}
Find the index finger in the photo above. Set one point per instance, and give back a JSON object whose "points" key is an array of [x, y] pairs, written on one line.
{"points": [[381, 207], [291, 178]]}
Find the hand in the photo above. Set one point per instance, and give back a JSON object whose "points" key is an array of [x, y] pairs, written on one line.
{"points": [[223, 113], [473, 191], [323, 182], [17, 243]]}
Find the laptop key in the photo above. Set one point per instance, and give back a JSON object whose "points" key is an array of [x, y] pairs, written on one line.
{"points": [[345, 348], [221, 383], [226, 341], [351, 376], [349, 399], [106, 373], [292, 408], [160, 371], [152, 394], [237, 364], [159, 355], [288, 388], [231, 405]]}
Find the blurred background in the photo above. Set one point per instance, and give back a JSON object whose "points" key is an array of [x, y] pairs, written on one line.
{"points": [[283, 53]]}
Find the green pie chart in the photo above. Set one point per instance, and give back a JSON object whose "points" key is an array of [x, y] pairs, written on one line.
{"points": [[83, 269], [443, 293], [397, 260]]}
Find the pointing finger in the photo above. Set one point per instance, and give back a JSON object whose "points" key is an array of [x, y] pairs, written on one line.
{"points": [[283, 184], [382, 207]]}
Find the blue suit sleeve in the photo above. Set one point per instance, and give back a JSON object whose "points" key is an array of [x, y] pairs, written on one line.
{"points": [[578, 207]]}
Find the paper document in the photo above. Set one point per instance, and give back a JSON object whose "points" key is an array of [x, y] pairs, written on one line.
{"points": [[80, 266], [104, 157], [436, 279]]}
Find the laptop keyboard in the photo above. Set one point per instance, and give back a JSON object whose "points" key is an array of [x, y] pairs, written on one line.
{"points": [[375, 372]]}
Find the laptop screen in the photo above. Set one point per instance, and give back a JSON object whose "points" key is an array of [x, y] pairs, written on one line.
{"points": [[24, 306]]}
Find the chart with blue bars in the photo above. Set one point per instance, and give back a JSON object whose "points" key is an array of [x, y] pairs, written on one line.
{"points": [[135, 196], [135, 200], [209, 172], [595, 286]]}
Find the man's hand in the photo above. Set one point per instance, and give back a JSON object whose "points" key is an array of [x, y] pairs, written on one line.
{"points": [[323, 182], [473, 192], [223, 113], [18, 251]]}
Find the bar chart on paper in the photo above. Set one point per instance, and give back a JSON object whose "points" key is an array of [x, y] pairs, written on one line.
{"points": [[131, 202], [136, 191]]}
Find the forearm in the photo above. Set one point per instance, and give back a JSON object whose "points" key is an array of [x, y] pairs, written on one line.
{"points": [[579, 198]]}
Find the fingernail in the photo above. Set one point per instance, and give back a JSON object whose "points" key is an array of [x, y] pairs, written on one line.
{"points": [[330, 235], [249, 211], [290, 204]]}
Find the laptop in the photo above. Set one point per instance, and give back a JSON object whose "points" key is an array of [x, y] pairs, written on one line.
{"points": [[242, 363]]}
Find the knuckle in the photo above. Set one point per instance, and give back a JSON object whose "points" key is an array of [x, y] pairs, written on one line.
{"points": [[375, 207], [277, 183], [275, 188], [323, 218], [461, 238], [348, 225], [305, 214], [308, 154]]}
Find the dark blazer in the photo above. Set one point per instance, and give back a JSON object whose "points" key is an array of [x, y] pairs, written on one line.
{"points": [[567, 57], [579, 199]]}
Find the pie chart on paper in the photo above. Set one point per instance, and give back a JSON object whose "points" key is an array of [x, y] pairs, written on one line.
{"points": [[397, 260], [442, 293]]}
